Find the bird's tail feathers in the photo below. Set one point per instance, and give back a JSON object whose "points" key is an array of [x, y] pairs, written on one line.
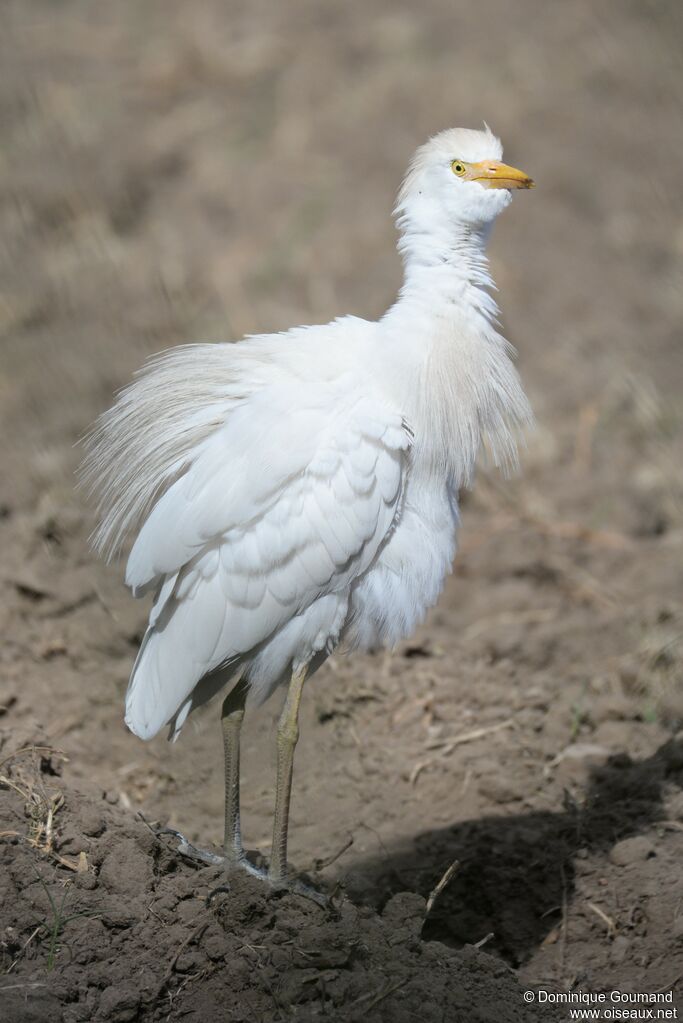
{"points": [[158, 695], [143, 443]]}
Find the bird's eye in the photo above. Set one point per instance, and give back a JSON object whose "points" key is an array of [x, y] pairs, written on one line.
{"points": [[458, 167]]}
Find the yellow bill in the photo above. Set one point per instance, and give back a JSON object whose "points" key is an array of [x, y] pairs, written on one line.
{"points": [[492, 174]]}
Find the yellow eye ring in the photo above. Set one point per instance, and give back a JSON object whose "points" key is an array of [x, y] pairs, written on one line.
{"points": [[459, 168]]}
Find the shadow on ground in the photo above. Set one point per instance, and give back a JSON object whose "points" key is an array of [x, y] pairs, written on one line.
{"points": [[517, 873]]}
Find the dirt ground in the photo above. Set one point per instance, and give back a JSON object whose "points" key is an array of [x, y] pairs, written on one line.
{"points": [[172, 175]]}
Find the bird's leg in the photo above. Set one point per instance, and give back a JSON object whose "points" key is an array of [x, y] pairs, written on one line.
{"points": [[232, 716], [287, 736]]}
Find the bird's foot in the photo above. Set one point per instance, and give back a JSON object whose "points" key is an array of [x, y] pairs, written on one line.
{"points": [[232, 863], [288, 884], [298, 887], [187, 849], [240, 861]]}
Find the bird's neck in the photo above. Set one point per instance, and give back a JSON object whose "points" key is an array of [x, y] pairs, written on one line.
{"points": [[446, 276], [444, 362]]}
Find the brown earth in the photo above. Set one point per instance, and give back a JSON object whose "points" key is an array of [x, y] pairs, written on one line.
{"points": [[170, 176]]}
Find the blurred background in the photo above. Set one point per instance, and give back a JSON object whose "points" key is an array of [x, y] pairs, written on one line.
{"points": [[175, 173]]}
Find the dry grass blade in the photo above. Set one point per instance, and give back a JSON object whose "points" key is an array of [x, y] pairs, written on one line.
{"points": [[526, 506], [669, 986], [419, 767], [41, 806], [610, 924], [30, 986], [448, 745], [532, 616], [49, 750]]}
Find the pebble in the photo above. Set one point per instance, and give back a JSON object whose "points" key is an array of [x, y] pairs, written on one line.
{"points": [[215, 943], [166, 904], [86, 881], [406, 909], [498, 790], [119, 1003], [190, 960], [72, 843], [188, 909], [632, 850], [611, 708], [126, 869], [92, 823], [619, 949]]}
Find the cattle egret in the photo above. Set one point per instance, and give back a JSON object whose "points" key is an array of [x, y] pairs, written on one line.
{"points": [[295, 492]]}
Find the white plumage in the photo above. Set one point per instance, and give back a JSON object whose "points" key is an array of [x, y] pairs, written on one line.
{"points": [[296, 491]]}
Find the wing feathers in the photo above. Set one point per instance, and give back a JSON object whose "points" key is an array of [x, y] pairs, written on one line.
{"points": [[287, 498]]}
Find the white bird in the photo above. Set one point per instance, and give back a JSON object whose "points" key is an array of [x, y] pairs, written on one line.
{"points": [[294, 492]]}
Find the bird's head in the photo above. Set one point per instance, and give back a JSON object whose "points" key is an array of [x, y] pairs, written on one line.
{"points": [[457, 178]]}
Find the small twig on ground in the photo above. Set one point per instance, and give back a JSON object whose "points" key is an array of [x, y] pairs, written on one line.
{"points": [[4, 780], [140, 815], [477, 733], [22, 987], [54, 805], [484, 941], [195, 933], [24, 947], [327, 861], [549, 912], [419, 767], [669, 986], [439, 887], [446, 746], [378, 996]]}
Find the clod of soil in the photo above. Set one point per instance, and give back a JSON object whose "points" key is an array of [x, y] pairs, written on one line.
{"points": [[123, 933]]}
